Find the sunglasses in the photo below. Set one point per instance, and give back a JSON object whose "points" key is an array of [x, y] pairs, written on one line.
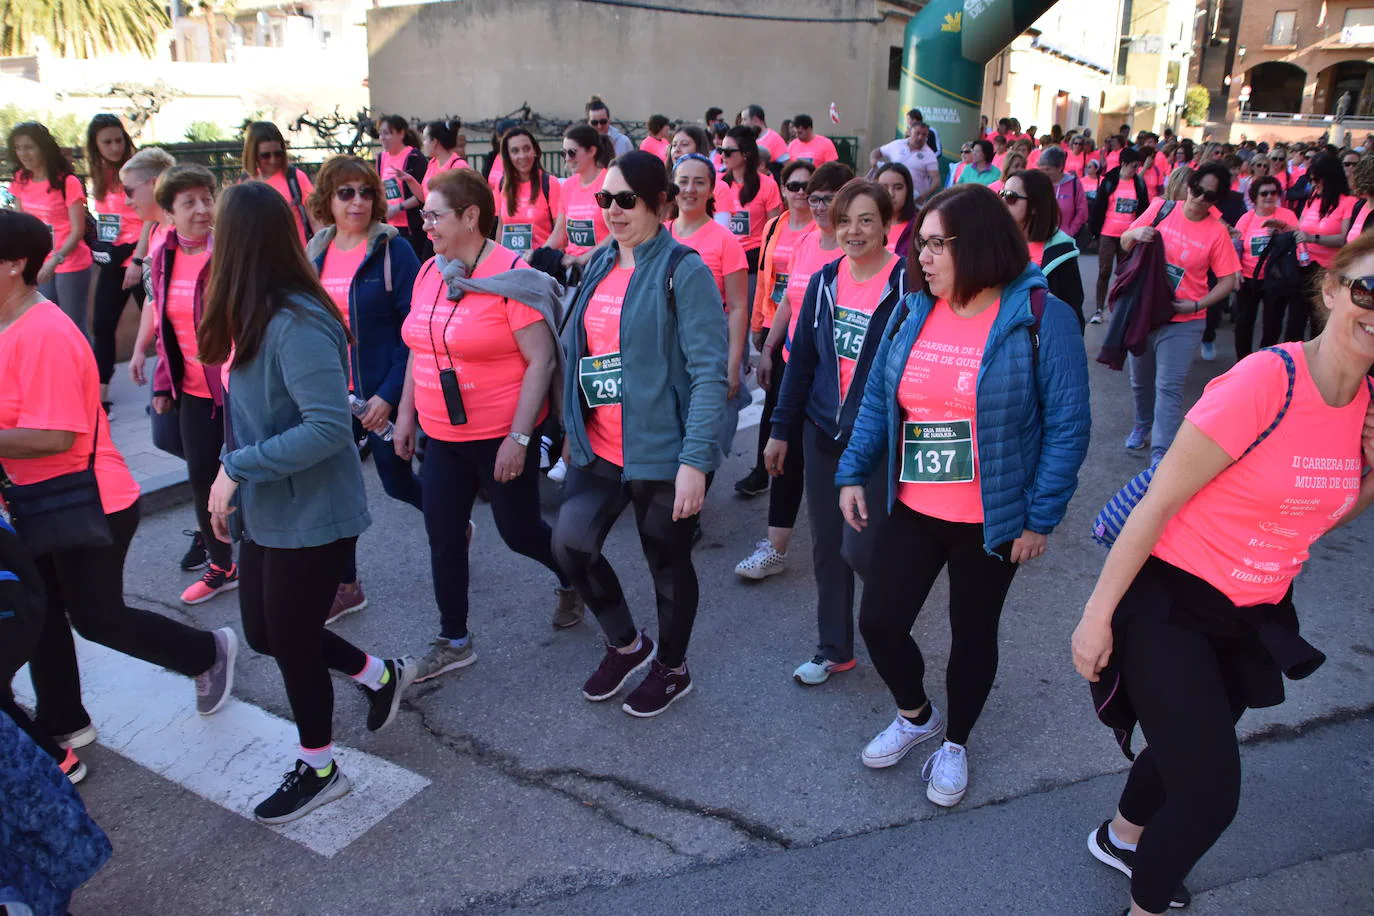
{"points": [[598, 122], [820, 201], [273, 154], [1350, 164], [1012, 197], [796, 187], [1361, 291], [625, 200], [936, 243], [347, 193], [569, 154], [1210, 196], [1267, 194], [728, 151]]}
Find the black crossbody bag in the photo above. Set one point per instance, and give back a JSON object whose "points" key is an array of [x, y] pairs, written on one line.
{"points": [[62, 513]]}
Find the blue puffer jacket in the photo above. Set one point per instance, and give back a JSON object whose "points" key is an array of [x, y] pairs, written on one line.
{"points": [[1033, 422]]}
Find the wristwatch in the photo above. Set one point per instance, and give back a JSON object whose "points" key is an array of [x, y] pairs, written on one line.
{"points": [[521, 439], [137, 262]]}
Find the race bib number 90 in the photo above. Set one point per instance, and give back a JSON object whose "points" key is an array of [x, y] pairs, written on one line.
{"points": [[937, 452], [851, 327], [600, 379], [517, 236], [739, 223]]}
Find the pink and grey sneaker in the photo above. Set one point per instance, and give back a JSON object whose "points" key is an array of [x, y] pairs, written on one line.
{"points": [[349, 599], [214, 581], [660, 689], [73, 768]]}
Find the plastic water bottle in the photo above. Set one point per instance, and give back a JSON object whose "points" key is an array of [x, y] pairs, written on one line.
{"points": [[359, 407], [1304, 256]]}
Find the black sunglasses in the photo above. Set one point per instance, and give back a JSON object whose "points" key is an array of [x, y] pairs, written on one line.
{"points": [[728, 151], [1210, 196], [347, 193], [625, 200], [569, 154], [598, 122], [796, 187], [273, 154], [1351, 163], [1270, 193], [1361, 291], [1012, 197]]}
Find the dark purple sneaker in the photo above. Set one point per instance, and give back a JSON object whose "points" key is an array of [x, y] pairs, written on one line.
{"points": [[662, 688], [615, 669]]}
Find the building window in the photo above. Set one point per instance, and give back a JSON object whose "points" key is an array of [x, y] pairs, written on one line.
{"points": [[1283, 33], [1358, 28], [894, 68]]}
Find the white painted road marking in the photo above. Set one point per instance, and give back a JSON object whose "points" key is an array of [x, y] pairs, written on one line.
{"points": [[234, 758]]}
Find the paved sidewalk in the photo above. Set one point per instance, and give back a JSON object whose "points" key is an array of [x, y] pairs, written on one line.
{"points": [[161, 476]]}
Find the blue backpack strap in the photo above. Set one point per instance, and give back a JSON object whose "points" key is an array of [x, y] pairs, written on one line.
{"points": [[1292, 371], [674, 259]]}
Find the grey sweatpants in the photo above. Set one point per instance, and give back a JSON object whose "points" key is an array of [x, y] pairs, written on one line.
{"points": [[1158, 375], [70, 291]]}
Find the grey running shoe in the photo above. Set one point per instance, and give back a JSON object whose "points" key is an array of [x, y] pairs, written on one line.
{"points": [[214, 686], [569, 610], [443, 657]]}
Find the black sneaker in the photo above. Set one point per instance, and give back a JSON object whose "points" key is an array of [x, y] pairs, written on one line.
{"points": [[615, 669], [383, 702], [195, 557], [1108, 853], [302, 790], [662, 688], [754, 484]]}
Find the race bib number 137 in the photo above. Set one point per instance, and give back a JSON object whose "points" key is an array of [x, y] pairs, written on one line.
{"points": [[937, 452]]}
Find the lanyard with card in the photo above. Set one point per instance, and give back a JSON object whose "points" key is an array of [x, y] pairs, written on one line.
{"points": [[449, 385]]}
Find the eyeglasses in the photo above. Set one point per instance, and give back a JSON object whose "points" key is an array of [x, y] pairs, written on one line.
{"points": [[1211, 196], [965, 150], [348, 192], [936, 243], [570, 154], [432, 216], [598, 122], [625, 200], [1010, 197], [727, 151], [820, 201], [1276, 159], [1361, 291], [796, 187], [273, 154], [1266, 193]]}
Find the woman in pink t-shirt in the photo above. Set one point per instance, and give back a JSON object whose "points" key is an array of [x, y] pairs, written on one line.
{"points": [[660, 133], [1362, 185], [1323, 224], [400, 157], [580, 227], [745, 199], [439, 143], [477, 383], [45, 186], [265, 158], [1253, 233], [1192, 620], [52, 425], [527, 197]]}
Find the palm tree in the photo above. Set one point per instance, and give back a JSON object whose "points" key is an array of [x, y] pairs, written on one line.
{"points": [[81, 28]]}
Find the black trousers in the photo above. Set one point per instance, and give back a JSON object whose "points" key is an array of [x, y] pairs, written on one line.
{"points": [[911, 550], [284, 598], [86, 587], [21, 620], [593, 498], [110, 299], [202, 439], [786, 490]]}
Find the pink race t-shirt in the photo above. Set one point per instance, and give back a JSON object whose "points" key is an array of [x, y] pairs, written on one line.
{"points": [[819, 151], [783, 248], [772, 141], [599, 379], [1358, 222], [434, 167], [476, 336], [854, 307], [1254, 238], [584, 221], [656, 146], [1249, 531], [39, 199], [529, 226], [1122, 209], [48, 380], [1190, 250], [393, 185], [181, 312], [721, 251], [283, 187], [1313, 223], [807, 258], [338, 271], [938, 398], [115, 221], [746, 220], [894, 234]]}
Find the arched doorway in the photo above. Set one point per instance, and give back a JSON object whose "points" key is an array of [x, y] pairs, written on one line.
{"points": [[1275, 86], [1353, 76]]}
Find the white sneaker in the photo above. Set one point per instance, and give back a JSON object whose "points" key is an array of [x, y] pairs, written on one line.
{"points": [[896, 741], [1209, 351], [762, 563], [946, 771], [559, 471], [1096, 318]]}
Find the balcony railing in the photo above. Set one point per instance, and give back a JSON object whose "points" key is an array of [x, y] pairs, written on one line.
{"points": [[1289, 119]]}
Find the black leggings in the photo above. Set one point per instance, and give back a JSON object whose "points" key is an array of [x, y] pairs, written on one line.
{"points": [[87, 588], [593, 498], [21, 620], [910, 552], [785, 492], [1184, 788], [110, 299], [202, 439], [451, 475], [284, 598]]}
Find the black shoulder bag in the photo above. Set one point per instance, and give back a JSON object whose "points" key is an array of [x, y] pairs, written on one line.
{"points": [[62, 513]]}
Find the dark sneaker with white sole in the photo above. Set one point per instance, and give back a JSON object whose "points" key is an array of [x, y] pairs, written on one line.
{"points": [[660, 689], [195, 556], [302, 790], [383, 702], [1123, 860], [616, 668]]}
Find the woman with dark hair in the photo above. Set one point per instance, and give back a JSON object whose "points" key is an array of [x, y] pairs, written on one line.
{"points": [[1362, 184], [1254, 233], [1029, 196], [690, 139], [657, 140], [45, 186], [178, 270], [121, 236], [290, 485], [982, 456], [847, 303], [400, 157], [528, 198], [718, 131], [1195, 242], [813, 251], [980, 168], [745, 198], [895, 179], [1182, 630], [51, 425], [1323, 224], [439, 142], [581, 226], [644, 357], [368, 271], [482, 355], [265, 159]]}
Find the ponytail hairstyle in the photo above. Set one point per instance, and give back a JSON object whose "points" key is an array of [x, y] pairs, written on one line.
{"points": [[105, 174], [747, 138], [587, 137], [445, 133], [401, 126], [510, 180]]}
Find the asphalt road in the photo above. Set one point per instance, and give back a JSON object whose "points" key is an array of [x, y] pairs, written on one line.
{"points": [[748, 796]]}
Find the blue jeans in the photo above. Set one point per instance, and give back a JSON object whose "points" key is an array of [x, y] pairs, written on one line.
{"points": [[1158, 376]]}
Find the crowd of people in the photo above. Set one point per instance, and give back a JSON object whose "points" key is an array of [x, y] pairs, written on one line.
{"points": [[918, 339]]}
